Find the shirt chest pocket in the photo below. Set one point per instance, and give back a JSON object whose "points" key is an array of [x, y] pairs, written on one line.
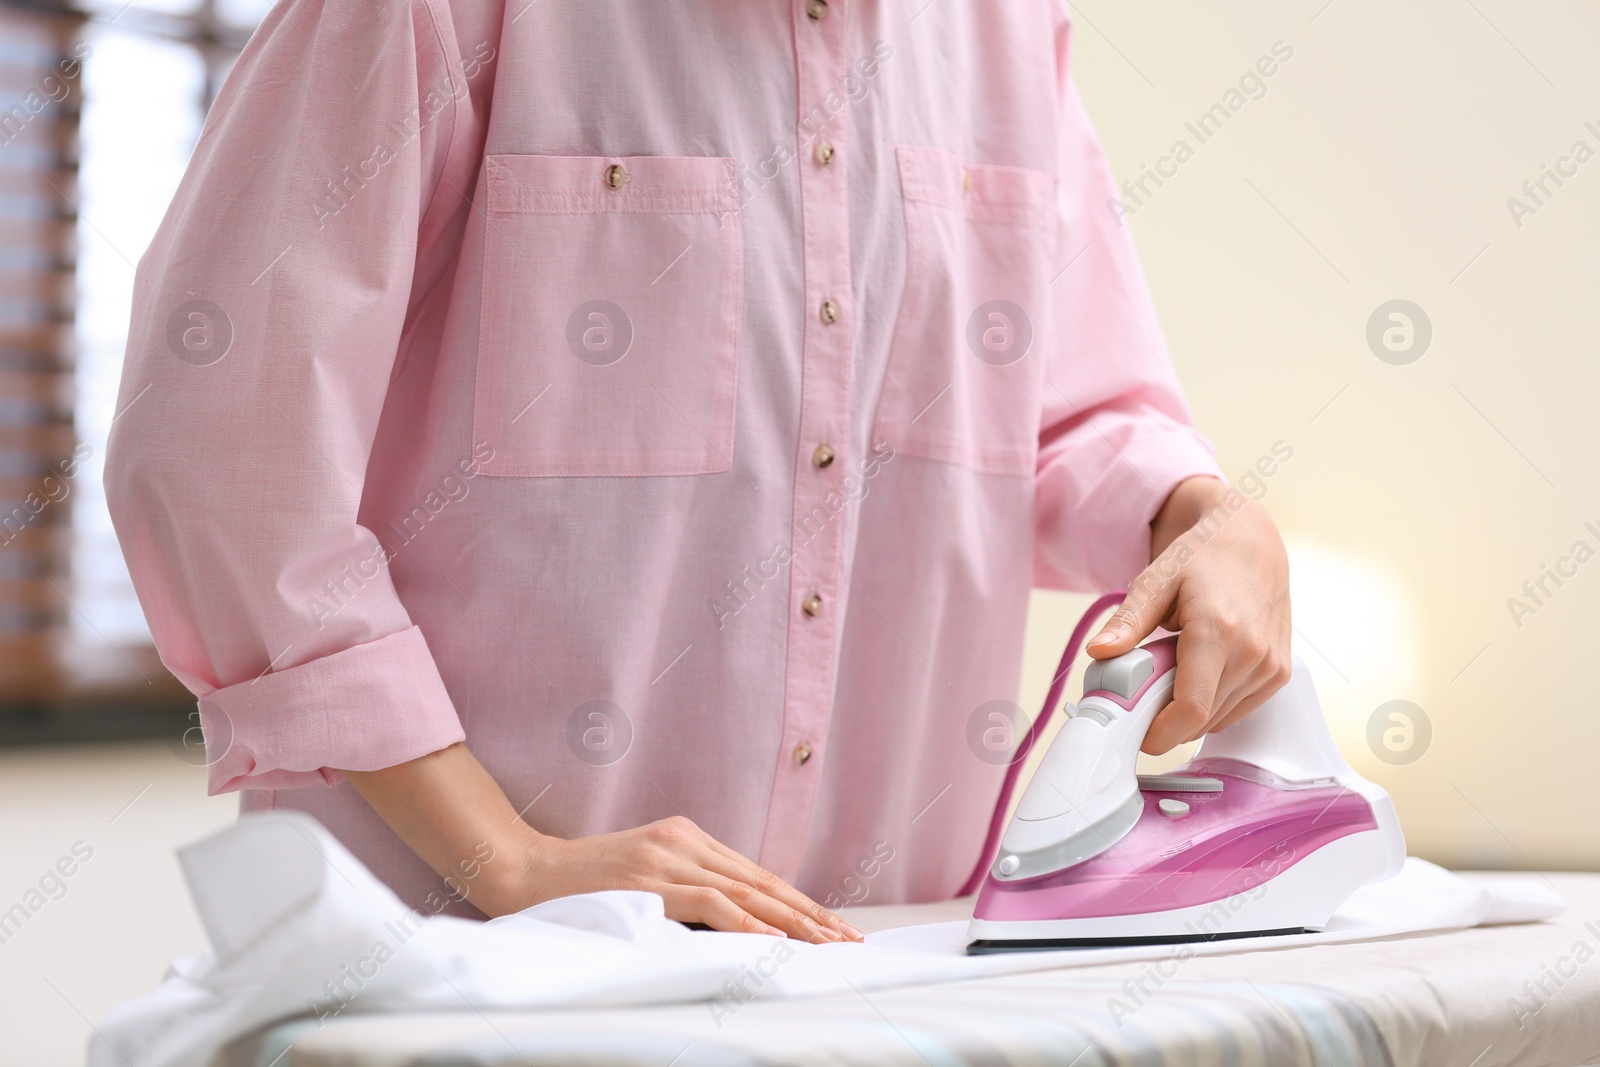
{"points": [[609, 332], [966, 363]]}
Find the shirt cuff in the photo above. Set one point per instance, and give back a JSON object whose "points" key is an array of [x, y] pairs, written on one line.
{"points": [[1094, 506], [366, 708]]}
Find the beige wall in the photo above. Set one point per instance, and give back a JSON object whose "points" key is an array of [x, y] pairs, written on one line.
{"points": [[1377, 165], [92, 832]]}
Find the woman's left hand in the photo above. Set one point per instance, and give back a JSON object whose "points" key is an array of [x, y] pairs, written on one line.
{"points": [[1219, 576]]}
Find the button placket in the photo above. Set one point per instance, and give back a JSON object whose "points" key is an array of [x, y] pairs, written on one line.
{"points": [[815, 573]]}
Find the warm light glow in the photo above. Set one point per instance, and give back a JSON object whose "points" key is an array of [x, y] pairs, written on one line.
{"points": [[1358, 629]]}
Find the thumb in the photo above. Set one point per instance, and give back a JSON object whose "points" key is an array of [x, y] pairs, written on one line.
{"points": [[1148, 602]]}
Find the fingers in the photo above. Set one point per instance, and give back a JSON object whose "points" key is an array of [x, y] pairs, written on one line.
{"points": [[1150, 600], [1269, 676], [1200, 666], [1259, 664], [1236, 684], [731, 864], [770, 912], [704, 904], [699, 879], [1234, 670], [1237, 709], [696, 860]]}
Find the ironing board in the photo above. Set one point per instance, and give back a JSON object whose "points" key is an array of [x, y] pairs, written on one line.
{"points": [[1527, 995]]}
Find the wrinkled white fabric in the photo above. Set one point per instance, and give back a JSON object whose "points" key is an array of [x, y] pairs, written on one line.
{"points": [[299, 927]]}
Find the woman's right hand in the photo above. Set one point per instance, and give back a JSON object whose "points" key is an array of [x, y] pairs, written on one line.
{"points": [[700, 880], [453, 814]]}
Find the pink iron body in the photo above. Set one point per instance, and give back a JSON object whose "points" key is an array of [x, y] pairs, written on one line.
{"points": [[1267, 830]]}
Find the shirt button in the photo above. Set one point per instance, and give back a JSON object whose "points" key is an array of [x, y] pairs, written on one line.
{"points": [[830, 311], [966, 181], [824, 153], [616, 177], [802, 752], [823, 456], [811, 605], [817, 9]]}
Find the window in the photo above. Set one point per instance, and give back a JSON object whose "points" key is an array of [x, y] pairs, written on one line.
{"points": [[100, 105]]}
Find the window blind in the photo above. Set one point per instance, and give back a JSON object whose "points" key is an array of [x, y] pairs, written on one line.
{"points": [[38, 140]]}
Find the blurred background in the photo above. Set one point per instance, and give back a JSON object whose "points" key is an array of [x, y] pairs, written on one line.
{"points": [[1376, 266]]}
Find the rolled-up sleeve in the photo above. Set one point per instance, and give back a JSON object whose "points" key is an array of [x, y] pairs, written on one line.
{"points": [[267, 315], [1115, 433]]}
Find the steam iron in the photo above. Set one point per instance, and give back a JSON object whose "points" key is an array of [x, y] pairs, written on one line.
{"points": [[1267, 830]]}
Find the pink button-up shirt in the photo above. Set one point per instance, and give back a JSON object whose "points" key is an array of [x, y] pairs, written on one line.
{"points": [[676, 401]]}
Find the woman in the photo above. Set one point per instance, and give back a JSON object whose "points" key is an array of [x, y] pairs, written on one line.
{"points": [[610, 445]]}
